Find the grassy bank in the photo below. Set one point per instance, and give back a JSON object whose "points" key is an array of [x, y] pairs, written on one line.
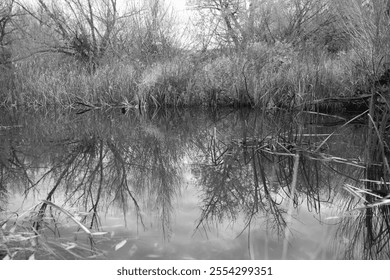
{"points": [[261, 76]]}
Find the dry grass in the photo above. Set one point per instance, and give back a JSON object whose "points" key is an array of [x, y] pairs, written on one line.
{"points": [[265, 76]]}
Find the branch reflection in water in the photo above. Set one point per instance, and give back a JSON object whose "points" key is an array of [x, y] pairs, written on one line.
{"points": [[192, 184]]}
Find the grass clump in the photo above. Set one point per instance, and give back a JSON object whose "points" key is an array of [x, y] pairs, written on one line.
{"points": [[272, 76], [39, 83]]}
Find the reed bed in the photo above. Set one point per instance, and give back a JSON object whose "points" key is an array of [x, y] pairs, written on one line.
{"points": [[68, 83], [263, 76]]}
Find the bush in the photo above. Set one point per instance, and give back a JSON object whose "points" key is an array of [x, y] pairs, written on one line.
{"points": [[167, 83]]}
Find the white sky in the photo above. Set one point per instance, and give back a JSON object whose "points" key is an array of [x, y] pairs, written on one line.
{"points": [[178, 4]]}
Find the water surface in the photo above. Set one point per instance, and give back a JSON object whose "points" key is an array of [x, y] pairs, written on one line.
{"points": [[187, 184]]}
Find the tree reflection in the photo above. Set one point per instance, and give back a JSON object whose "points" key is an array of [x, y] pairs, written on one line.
{"points": [[249, 171], [100, 163], [252, 167]]}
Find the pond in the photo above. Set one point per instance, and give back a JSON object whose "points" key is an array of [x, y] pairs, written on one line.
{"points": [[187, 184]]}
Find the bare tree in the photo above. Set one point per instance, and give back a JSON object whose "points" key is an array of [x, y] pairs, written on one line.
{"points": [[7, 13], [299, 20], [151, 34], [242, 22], [229, 19], [84, 29]]}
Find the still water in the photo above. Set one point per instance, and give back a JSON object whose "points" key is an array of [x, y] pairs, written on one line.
{"points": [[188, 184]]}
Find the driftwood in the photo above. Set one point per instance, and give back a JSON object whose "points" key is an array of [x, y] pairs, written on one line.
{"points": [[348, 104]]}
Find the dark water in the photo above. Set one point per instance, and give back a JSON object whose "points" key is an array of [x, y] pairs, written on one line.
{"points": [[187, 184]]}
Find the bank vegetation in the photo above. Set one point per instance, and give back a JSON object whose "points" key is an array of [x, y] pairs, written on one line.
{"points": [[266, 54]]}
